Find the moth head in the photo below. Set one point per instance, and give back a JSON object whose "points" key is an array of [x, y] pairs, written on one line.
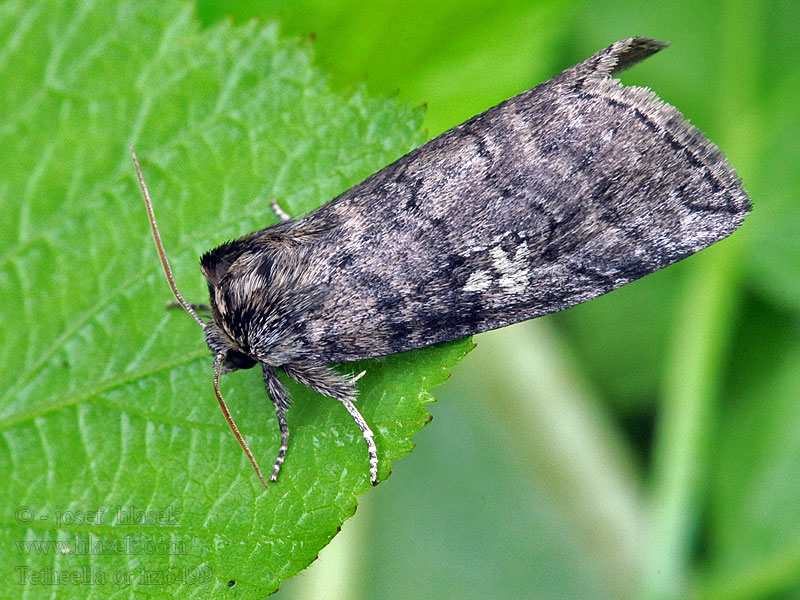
{"points": [[232, 357], [239, 360]]}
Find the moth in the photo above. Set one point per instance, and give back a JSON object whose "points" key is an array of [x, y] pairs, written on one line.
{"points": [[549, 199]]}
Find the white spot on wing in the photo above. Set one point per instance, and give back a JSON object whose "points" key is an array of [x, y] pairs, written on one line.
{"points": [[479, 281], [514, 275]]}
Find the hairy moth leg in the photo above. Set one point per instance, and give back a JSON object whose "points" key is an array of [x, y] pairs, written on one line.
{"points": [[282, 214], [281, 401], [328, 382]]}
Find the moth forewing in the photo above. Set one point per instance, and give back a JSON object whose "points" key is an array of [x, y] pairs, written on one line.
{"points": [[551, 198]]}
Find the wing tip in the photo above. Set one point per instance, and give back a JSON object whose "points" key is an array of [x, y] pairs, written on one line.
{"points": [[596, 75]]}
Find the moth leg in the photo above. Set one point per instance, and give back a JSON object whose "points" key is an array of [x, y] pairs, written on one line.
{"points": [[284, 216], [328, 382], [281, 401]]}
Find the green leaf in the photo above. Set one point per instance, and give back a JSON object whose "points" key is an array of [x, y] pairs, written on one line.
{"points": [[106, 405]]}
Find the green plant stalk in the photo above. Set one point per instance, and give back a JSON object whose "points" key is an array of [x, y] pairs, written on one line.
{"points": [[570, 446], [767, 576], [691, 389]]}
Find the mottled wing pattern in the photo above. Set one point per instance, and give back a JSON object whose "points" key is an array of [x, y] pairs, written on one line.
{"points": [[547, 200]]}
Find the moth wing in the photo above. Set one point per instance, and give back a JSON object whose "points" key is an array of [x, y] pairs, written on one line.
{"points": [[556, 196]]}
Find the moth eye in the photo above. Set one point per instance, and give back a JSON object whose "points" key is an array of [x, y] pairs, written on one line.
{"points": [[239, 360]]}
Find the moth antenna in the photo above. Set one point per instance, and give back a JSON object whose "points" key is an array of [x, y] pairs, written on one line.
{"points": [[231, 422], [162, 254]]}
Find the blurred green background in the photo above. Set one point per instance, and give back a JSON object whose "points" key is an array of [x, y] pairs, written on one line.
{"points": [[644, 444]]}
